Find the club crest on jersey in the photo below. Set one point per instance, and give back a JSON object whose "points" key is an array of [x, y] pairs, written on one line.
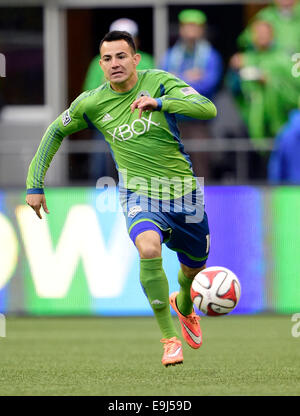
{"points": [[143, 94], [134, 210], [66, 118]]}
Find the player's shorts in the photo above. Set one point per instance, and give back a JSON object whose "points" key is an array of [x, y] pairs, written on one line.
{"points": [[181, 223]]}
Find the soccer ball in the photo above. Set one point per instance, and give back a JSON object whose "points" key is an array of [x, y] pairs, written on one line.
{"points": [[215, 291]]}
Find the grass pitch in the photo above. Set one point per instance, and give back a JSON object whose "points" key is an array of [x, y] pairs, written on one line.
{"points": [[240, 355]]}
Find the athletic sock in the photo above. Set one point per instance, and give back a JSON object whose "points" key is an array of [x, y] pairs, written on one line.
{"points": [[183, 299], [156, 287]]}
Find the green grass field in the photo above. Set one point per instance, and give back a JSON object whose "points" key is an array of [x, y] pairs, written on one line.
{"points": [[241, 355]]}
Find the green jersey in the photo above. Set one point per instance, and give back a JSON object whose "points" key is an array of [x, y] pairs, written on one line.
{"points": [[147, 150]]}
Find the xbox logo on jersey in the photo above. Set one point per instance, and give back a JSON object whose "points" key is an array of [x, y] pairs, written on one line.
{"points": [[138, 126]]}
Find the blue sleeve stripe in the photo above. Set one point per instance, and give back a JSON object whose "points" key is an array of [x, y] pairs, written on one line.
{"points": [[162, 89], [38, 162], [43, 154], [159, 104], [190, 100], [201, 100], [35, 191]]}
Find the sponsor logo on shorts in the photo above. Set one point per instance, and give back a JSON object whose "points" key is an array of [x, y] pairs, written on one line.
{"points": [[134, 210]]}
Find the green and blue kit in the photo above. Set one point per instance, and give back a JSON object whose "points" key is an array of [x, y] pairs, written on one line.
{"points": [[152, 164]]}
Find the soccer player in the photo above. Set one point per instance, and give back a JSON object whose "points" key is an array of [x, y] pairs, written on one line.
{"points": [[161, 198]]}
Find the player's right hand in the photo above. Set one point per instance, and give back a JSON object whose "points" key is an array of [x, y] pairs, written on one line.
{"points": [[35, 201], [144, 103]]}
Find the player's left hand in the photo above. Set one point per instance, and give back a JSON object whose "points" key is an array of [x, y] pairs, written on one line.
{"points": [[144, 104]]}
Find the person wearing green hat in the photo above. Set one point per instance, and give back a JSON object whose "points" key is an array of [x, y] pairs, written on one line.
{"points": [[194, 60], [192, 16]]}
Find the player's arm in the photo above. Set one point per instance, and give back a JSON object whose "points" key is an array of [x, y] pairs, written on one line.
{"points": [[67, 123], [180, 98], [144, 104]]}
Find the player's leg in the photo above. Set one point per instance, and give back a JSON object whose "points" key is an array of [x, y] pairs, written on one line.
{"points": [[148, 229], [182, 303], [191, 241], [186, 275], [154, 280], [155, 285]]}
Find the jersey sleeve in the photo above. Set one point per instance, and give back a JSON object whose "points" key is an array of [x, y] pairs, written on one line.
{"points": [[180, 98], [69, 122]]}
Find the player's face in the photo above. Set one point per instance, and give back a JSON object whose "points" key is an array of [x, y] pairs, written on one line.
{"points": [[118, 61]]}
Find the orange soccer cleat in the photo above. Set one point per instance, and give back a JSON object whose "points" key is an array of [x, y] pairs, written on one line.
{"points": [[190, 326], [172, 351]]}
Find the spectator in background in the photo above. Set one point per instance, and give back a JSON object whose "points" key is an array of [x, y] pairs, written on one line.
{"points": [[262, 84], [284, 166], [194, 60], [95, 76], [284, 16]]}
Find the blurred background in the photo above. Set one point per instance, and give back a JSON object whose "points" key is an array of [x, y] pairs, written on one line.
{"points": [[245, 56]]}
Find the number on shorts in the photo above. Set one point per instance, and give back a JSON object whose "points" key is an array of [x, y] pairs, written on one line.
{"points": [[207, 243]]}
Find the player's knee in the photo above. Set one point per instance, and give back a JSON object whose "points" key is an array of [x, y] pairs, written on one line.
{"points": [[148, 244], [149, 251]]}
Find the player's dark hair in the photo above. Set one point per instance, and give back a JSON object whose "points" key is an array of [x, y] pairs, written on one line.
{"points": [[119, 35]]}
